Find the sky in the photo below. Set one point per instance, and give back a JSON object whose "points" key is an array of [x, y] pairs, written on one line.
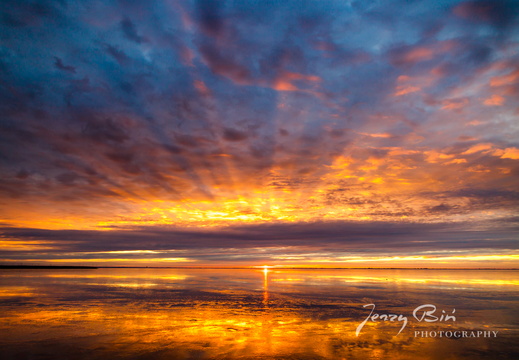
{"points": [[242, 133]]}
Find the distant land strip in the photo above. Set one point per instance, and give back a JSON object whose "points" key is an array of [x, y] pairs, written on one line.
{"points": [[45, 267]]}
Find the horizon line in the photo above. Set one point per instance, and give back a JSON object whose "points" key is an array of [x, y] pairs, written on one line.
{"points": [[251, 267]]}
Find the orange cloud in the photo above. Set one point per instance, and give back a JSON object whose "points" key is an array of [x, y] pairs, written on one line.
{"points": [[409, 84], [413, 55], [474, 123], [418, 54], [284, 82], [508, 153], [477, 148], [382, 135], [282, 85], [435, 156], [454, 104], [27, 245], [508, 79], [403, 90], [457, 161], [494, 100]]}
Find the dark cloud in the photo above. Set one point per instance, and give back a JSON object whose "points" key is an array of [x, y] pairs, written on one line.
{"points": [[347, 237], [118, 55], [210, 17], [59, 64], [28, 13], [67, 178], [130, 31], [222, 63], [22, 174], [500, 13], [234, 135], [486, 194], [104, 130]]}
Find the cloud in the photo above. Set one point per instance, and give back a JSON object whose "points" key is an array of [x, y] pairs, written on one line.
{"points": [[508, 153], [210, 17], [205, 113], [234, 135], [222, 63], [285, 81], [244, 243], [59, 64], [118, 55], [494, 100], [507, 79], [499, 13], [130, 32]]}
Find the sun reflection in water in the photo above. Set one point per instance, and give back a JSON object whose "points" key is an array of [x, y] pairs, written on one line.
{"points": [[265, 285]]}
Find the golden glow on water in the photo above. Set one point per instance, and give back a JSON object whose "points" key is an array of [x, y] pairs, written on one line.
{"points": [[251, 314], [16, 291]]}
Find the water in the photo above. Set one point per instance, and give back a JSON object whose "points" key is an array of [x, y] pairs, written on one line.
{"points": [[255, 314]]}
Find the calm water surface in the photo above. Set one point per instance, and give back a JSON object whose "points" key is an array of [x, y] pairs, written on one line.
{"points": [[254, 314]]}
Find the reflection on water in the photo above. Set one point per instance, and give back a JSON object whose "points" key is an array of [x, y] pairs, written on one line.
{"points": [[252, 314]]}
